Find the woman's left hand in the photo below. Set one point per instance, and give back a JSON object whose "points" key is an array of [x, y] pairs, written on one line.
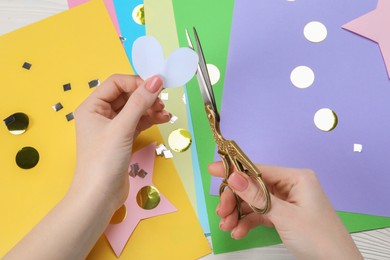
{"points": [[106, 124]]}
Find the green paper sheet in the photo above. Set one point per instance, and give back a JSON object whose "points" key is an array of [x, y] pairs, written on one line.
{"points": [[213, 20]]}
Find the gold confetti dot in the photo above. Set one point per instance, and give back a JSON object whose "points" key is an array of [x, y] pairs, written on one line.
{"points": [[325, 119], [180, 140], [119, 215], [139, 14], [148, 197], [17, 123], [27, 158]]}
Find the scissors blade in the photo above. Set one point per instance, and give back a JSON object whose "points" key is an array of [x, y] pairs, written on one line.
{"points": [[202, 75]]}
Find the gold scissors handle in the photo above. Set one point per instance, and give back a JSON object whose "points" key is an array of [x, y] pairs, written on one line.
{"points": [[233, 157]]}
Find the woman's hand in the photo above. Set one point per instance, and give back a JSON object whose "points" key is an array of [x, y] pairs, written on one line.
{"points": [[300, 211], [106, 124]]}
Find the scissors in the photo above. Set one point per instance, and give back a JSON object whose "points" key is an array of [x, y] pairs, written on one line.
{"points": [[231, 154]]}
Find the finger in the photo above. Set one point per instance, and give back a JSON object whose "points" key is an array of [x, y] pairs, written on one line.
{"points": [[155, 118], [274, 174], [247, 189], [229, 222], [248, 223], [217, 169], [158, 105], [138, 103], [227, 204], [114, 86]]}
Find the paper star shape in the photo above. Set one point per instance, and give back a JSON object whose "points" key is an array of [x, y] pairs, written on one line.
{"points": [[119, 234], [375, 26]]}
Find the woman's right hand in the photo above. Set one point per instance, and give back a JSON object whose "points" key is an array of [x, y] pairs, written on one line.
{"points": [[300, 211]]}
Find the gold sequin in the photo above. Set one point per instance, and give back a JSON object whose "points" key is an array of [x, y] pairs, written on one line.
{"points": [[180, 140], [119, 215], [17, 123], [325, 119], [27, 158], [148, 197], [139, 14]]}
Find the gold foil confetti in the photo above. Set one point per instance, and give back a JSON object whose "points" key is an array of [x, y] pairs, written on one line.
{"points": [[119, 215], [164, 96], [122, 39], [167, 154], [134, 169], [357, 148], [160, 149], [142, 173], [139, 14], [173, 119], [180, 140], [69, 116], [27, 66], [17, 123], [148, 197], [315, 31], [57, 107], [94, 83], [27, 158], [67, 87], [302, 77], [325, 119]]}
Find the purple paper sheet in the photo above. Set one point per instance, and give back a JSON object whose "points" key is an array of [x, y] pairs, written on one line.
{"points": [[272, 120]]}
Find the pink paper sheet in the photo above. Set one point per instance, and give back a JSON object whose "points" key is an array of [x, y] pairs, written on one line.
{"points": [[375, 26], [109, 5], [118, 234]]}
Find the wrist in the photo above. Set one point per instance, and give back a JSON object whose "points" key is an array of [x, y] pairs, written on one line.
{"points": [[91, 199]]}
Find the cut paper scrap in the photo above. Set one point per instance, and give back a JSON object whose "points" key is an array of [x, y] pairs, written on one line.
{"points": [[159, 16], [375, 26], [176, 235], [118, 234], [69, 56], [109, 5], [130, 29], [278, 117], [208, 20], [176, 70], [158, 11]]}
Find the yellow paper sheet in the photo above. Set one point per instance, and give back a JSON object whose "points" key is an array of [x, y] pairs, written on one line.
{"points": [[169, 41], [73, 47]]}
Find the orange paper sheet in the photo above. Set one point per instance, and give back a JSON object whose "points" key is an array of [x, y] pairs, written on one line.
{"points": [[74, 47]]}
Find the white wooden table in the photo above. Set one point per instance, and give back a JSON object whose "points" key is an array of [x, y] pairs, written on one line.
{"points": [[17, 13]]}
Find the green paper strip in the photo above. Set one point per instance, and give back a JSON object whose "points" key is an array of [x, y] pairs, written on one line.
{"points": [[213, 21]]}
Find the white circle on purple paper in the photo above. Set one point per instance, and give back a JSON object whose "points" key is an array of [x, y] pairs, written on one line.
{"points": [[315, 31], [302, 77], [325, 119]]}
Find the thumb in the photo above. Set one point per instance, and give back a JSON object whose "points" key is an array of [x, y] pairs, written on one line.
{"points": [[137, 104], [248, 189]]}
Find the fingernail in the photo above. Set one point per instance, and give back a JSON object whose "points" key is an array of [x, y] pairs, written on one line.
{"points": [[153, 84], [232, 233], [237, 182], [221, 224], [166, 114]]}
